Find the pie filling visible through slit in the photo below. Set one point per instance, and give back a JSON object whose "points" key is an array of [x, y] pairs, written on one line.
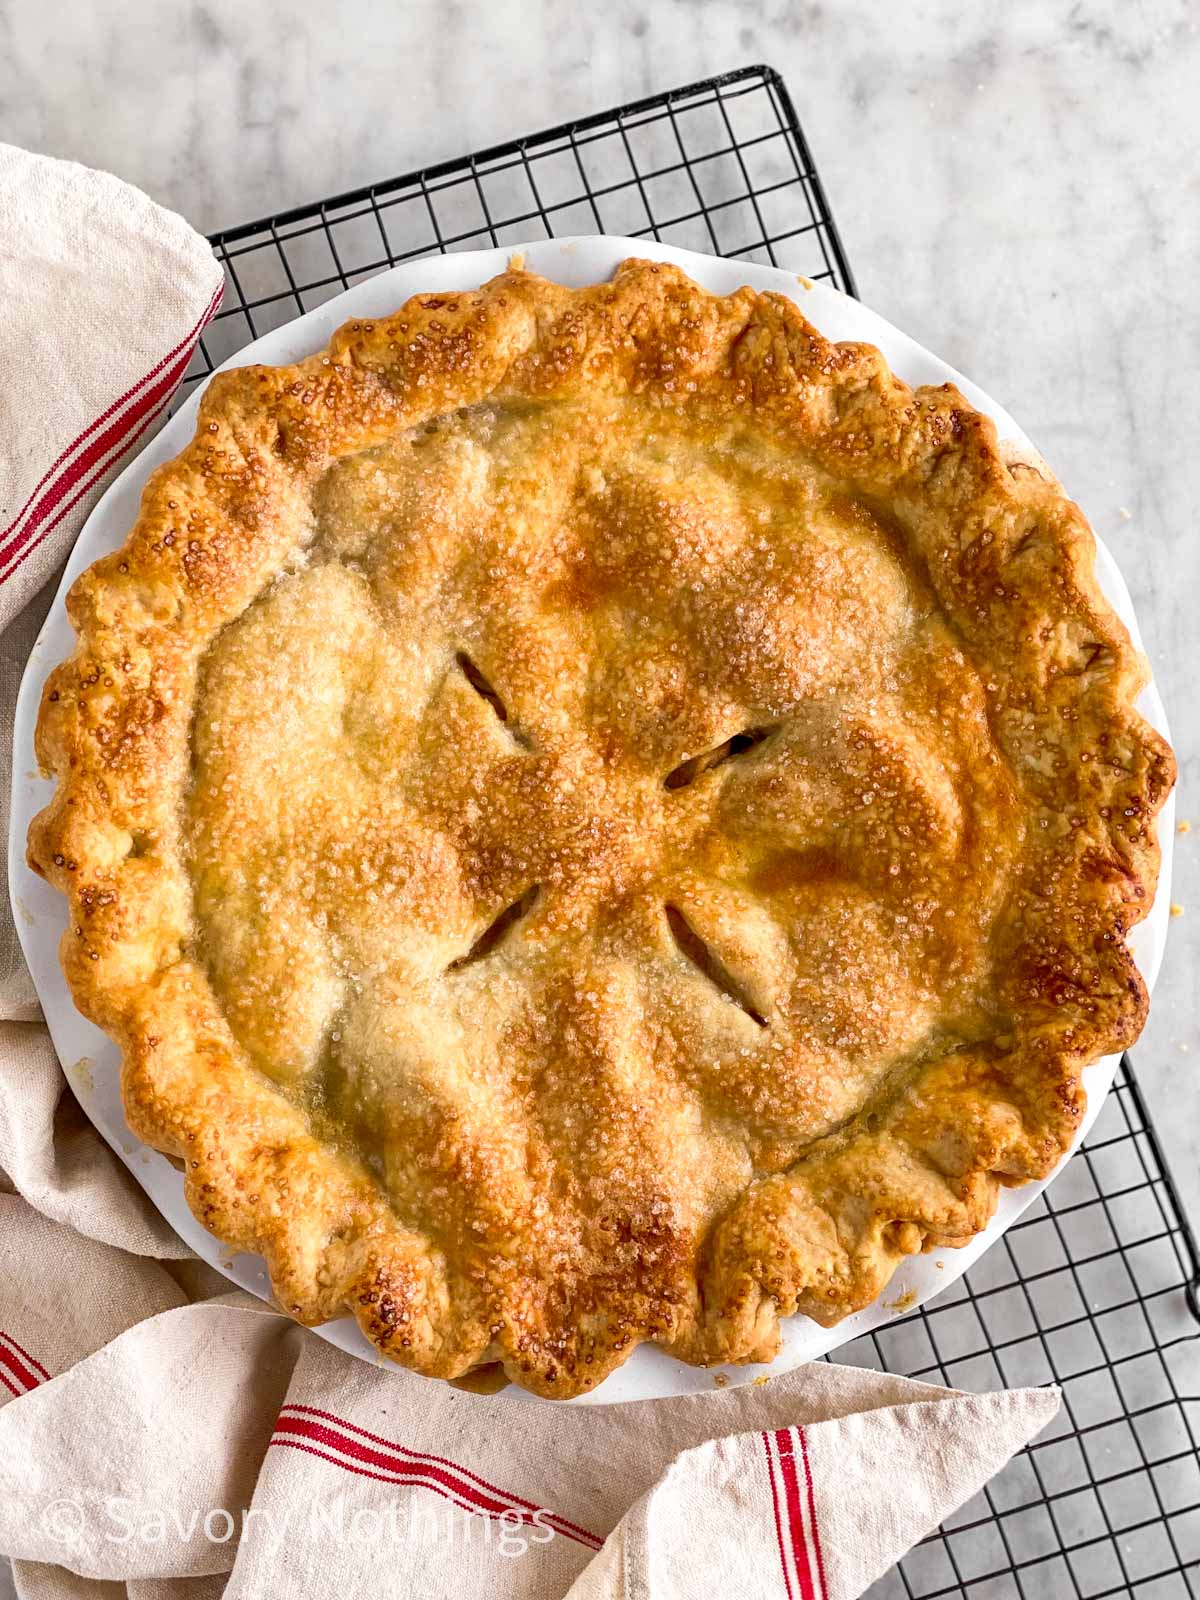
{"points": [[598, 816]]}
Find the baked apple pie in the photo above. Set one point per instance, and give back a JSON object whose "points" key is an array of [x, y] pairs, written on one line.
{"points": [[598, 816]]}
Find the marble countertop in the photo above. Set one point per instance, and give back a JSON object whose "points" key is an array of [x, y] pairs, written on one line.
{"points": [[1022, 196]]}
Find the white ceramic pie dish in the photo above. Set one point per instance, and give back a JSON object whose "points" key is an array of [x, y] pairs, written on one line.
{"points": [[92, 1061]]}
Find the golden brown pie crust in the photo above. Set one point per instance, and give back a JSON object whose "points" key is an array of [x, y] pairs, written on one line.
{"points": [[598, 816]]}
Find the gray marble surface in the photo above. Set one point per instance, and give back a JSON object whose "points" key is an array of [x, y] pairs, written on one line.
{"points": [[1016, 186]]}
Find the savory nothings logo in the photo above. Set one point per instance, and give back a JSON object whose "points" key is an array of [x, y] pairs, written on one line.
{"points": [[338, 1521]]}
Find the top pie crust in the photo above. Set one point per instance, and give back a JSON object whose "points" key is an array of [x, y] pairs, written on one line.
{"points": [[598, 816]]}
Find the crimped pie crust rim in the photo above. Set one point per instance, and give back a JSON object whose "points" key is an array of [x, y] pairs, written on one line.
{"points": [[155, 1123]]}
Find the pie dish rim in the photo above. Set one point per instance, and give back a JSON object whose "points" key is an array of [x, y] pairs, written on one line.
{"points": [[419, 275]]}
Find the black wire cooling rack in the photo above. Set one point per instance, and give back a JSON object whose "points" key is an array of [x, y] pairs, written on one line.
{"points": [[1096, 1287]]}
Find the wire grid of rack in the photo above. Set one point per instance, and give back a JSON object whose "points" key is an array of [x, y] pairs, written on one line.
{"points": [[1096, 1287]]}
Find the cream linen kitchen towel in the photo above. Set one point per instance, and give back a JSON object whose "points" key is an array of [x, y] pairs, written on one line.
{"points": [[216, 1443], [104, 296], [165, 1438]]}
